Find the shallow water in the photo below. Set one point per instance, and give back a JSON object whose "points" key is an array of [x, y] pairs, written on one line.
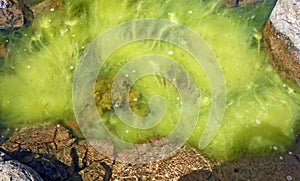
{"points": [[36, 79]]}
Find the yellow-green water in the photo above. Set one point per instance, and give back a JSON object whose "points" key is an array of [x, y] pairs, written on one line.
{"points": [[262, 110]]}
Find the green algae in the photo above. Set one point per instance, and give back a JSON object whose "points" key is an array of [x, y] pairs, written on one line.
{"points": [[262, 110]]}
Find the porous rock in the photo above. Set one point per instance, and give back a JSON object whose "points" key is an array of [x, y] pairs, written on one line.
{"points": [[282, 38]]}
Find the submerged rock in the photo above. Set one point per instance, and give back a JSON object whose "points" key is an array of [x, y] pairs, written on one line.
{"points": [[282, 38], [14, 14], [14, 170], [52, 152]]}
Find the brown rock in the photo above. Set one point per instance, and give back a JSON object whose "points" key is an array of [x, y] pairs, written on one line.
{"points": [[44, 139], [14, 14], [52, 152], [282, 38]]}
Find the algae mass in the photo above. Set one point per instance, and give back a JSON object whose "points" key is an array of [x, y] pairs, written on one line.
{"points": [[262, 110]]}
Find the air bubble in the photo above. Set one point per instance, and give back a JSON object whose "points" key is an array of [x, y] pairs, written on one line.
{"points": [[49, 20], [58, 125], [133, 71], [190, 12], [275, 148], [7, 102], [71, 67], [73, 35], [289, 177], [170, 52], [280, 157], [290, 152], [258, 121], [126, 75], [126, 131], [135, 99], [28, 66], [52, 9]]}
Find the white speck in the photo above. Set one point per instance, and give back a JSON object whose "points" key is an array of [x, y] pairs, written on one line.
{"points": [[82, 47], [280, 157], [174, 79], [116, 105], [49, 20], [190, 12], [289, 177], [58, 125], [290, 152], [283, 85], [126, 131], [170, 52], [28, 66], [133, 71], [135, 99], [275, 148], [52, 9], [258, 121], [73, 35], [66, 29], [7, 102], [178, 98], [126, 75], [71, 67], [25, 34], [6, 41], [25, 49]]}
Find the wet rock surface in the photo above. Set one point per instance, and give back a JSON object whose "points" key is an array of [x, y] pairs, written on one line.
{"points": [[282, 166], [282, 38], [11, 169], [54, 154], [14, 14]]}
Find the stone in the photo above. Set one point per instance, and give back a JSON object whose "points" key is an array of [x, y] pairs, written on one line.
{"points": [[281, 38], [54, 154], [14, 14], [14, 170]]}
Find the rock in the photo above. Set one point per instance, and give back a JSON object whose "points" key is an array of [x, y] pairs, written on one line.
{"points": [[14, 14], [55, 155], [282, 38], [13, 170], [45, 139]]}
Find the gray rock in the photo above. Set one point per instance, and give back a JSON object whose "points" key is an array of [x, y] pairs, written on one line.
{"points": [[13, 170], [286, 18], [282, 38]]}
